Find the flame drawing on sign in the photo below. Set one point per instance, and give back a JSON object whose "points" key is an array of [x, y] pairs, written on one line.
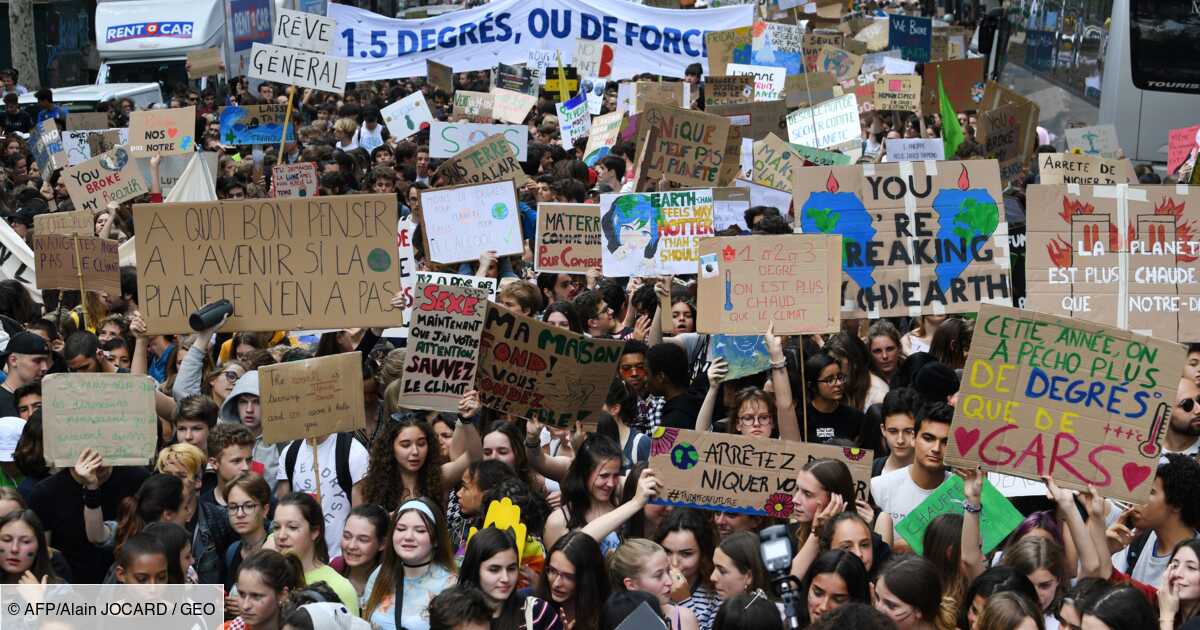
{"points": [[1061, 251]]}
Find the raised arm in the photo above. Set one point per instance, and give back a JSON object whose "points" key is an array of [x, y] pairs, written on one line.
{"points": [[550, 467], [811, 548], [93, 516], [465, 445], [1065, 501], [647, 489], [717, 370], [191, 371], [139, 363], [972, 563], [785, 406], [1097, 509]]}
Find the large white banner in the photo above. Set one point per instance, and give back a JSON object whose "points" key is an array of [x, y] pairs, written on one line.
{"points": [[16, 261], [644, 39]]}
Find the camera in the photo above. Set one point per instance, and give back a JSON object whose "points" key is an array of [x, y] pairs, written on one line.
{"points": [[775, 545]]}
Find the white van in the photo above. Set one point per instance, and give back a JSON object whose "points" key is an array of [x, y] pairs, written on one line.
{"points": [[83, 98]]}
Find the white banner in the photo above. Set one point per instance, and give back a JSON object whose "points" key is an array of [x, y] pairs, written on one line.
{"points": [[446, 140], [643, 39], [16, 261]]}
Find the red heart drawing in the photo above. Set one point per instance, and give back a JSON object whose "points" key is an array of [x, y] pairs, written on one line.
{"points": [[965, 439], [1134, 475], [172, 131]]}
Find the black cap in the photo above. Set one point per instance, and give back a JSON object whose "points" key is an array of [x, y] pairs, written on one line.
{"points": [[26, 342]]}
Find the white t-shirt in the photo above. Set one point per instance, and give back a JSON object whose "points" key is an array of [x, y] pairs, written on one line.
{"points": [[1192, 451], [334, 502], [1149, 566], [896, 494]]}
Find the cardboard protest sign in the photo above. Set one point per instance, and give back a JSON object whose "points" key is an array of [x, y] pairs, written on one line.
{"points": [[285, 263], [1100, 140], [1080, 402], [1182, 146], [440, 76], [647, 93], [46, 145], [654, 234], [289, 66], [826, 125], [306, 31], [162, 131], [730, 204], [517, 79], [817, 157], [312, 398], [295, 180], [754, 120], [473, 106], [606, 129], [898, 92], [731, 158], [911, 35], [56, 268], [744, 354], [568, 237], [779, 45], [747, 282], [1000, 132], [774, 160], [171, 167], [685, 149], [449, 139], [1070, 168], [732, 473], [593, 58], [814, 41], [112, 414], [77, 222], [538, 371], [410, 278], [204, 63], [842, 64], [574, 120], [512, 107], [805, 90], [443, 346], [963, 79], [769, 81], [407, 116], [113, 176], [87, 120], [1118, 257], [725, 47], [997, 520], [255, 124], [463, 221], [917, 237], [766, 196], [728, 90], [914, 149], [492, 159]]}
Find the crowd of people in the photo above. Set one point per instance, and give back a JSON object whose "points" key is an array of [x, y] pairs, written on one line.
{"points": [[389, 529]]}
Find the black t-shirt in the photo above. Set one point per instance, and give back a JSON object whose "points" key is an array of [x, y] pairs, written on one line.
{"points": [[58, 501], [681, 411], [843, 423], [8, 403]]}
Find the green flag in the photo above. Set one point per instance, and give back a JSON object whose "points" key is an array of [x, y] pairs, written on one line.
{"points": [[952, 133]]}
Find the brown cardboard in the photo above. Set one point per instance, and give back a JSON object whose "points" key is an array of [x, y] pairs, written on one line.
{"points": [[112, 177], [686, 149], [568, 238], [844, 65], [312, 398], [473, 106], [441, 76], [898, 92], [755, 120], [112, 414], [1069, 168], [1080, 402], [285, 263], [1004, 132], [728, 90], [443, 346], [1026, 112], [813, 43], [774, 161], [56, 269], [79, 222], [731, 165], [748, 282], [535, 370], [730, 472], [647, 93], [295, 180], [803, 90], [512, 107], [905, 261], [204, 63], [87, 120], [964, 83], [461, 222], [1076, 243], [489, 160], [162, 131], [721, 45]]}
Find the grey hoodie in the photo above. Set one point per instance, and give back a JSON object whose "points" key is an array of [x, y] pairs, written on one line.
{"points": [[265, 454]]}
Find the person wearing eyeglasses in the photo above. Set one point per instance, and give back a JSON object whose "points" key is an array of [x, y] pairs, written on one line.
{"points": [[829, 415], [1183, 432], [249, 503]]}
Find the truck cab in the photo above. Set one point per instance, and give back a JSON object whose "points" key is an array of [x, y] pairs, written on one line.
{"points": [[148, 40]]}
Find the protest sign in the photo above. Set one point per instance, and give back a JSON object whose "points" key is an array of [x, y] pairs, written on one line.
{"points": [[780, 45], [203, 63], [911, 35], [654, 234], [17, 260], [1080, 402], [766, 196], [56, 266], [605, 131], [255, 124], [726, 47], [805, 90], [1182, 145], [473, 106], [537, 60], [748, 282], [443, 346], [732, 473], [769, 81], [1118, 256], [1100, 140], [512, 107], [289, 66], [1000, 133], [561, 82], [112, 177], [817, 157], [683, 150], [873, 62], [171, 168], [1013, 487], [285, 263], [87, 120], [1071, 168], [440, 76], [774, 160], [491, 159], [918, 237], [568, 237], [893, 65], [843, 65], [911, 149], [728, 90], [407, 116], [306, 31], [593, 58], [162, 131], [46, 145], [517, 79], [997, 520], [730, 204], [77, 222], [449, 139], [463, 221], [311, 398], [647, 93], [744, 354], [574, 120], [535, 370], [754, 120], [489, 285], [295, 180], [112, 414], [898, 92], [814, 41], [963, 79], [826, 125]]}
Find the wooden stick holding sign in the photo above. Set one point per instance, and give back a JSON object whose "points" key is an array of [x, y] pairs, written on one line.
{"points": [[310, 33], [287, 119], [79, 274]]}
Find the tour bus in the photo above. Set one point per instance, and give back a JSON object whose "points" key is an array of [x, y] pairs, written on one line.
{"points": [[1151, 81]]}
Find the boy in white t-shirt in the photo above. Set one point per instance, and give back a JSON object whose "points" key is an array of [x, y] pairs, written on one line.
{"points": [[343, 461], [900, 491]]}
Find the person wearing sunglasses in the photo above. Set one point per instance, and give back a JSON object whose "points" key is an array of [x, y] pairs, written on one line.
{"points": [[1183, 432]]}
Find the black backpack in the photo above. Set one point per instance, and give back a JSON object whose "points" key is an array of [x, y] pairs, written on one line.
{"points": [[341, 461]]}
